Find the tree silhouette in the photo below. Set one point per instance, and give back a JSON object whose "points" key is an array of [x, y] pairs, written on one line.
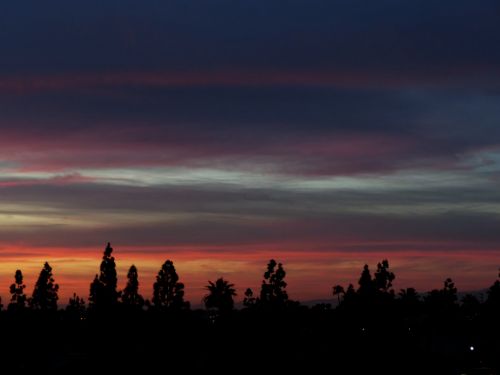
{"points": [[409, 300], [383, 277], [76, 307], [273, 289], [350, 299], [338, 290], [220, 295], [249, 301], [493, 300], [168, 292], [18, 298], [409, 296], [103, 293], [443, 301], [45, 292], [366, 283], [470, 306], [130, 295]]}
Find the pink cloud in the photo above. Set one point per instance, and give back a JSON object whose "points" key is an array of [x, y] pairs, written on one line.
{"points": [[324, 154], [27, 84], [64, 179]]}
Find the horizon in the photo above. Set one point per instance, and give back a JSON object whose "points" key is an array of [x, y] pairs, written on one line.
{"points": [[323, 134], [195, 271]]}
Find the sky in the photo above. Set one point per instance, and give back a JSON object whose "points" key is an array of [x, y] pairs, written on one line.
{"points": [[323, 133]]}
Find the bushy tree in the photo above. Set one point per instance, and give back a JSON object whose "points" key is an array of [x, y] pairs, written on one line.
{"points": [[18, 298], [45, 292], [130, 295], [103, 292], [168, 292], [249, 300], [383, 277], [273, 289], [220, 295]]}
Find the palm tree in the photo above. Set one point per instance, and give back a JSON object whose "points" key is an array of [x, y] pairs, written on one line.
{"points": [[337, 291], [220, 295]]}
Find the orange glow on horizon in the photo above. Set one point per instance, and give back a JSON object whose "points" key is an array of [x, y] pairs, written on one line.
{"points": [[310, 275]]}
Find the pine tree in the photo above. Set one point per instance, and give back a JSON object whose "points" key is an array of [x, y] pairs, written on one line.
{"points": [[45, 293], [168, 292], [18, 298], [130, 295], [103, 293]]}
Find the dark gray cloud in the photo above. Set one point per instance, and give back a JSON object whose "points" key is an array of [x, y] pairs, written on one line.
{"points": [[456, 217], [177, 125]]}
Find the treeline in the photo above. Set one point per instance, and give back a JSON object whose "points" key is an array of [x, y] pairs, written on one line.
{"points": [[168, 293], [372, 329]]}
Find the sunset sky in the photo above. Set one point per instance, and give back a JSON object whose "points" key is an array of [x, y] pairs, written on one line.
{"points": [[323, 133]]}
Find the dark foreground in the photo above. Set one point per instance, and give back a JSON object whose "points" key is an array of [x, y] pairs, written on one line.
{"points": [[316, 340]]}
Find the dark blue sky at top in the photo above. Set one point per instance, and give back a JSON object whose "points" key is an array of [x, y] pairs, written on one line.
{"points": [[400, 37], [429, 71]]}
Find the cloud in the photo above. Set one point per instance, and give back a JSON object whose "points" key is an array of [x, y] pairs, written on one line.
{"points": [[344, 213], [225, 132]]}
